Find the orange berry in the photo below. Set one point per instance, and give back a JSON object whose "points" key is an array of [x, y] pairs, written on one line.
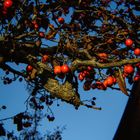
{"points": [[61, 20], [41, 34], [103, 55], [109, 81], [128, 42], [136, 78], [137, 51], [65, 68], [128, 69], [57, 69]]}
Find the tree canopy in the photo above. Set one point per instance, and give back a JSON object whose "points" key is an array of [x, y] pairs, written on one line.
{"points": [[56, 44]]}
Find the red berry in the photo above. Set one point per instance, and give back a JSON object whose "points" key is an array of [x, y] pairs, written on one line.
{"points": [[137, 51], [128, 69], [41, 34], [89, 68], [85, 73], [36, 26], [103, 55], [80, 77], [65, 68], [8, 3], [29, 68], [128, 42], [136, 78], [109, 81], [61, 20], [45, 58], [100, 85], [57, 69]]}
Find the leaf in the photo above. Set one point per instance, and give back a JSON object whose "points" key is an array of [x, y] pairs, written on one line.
{"points": [[33, 74], [121, 82]]}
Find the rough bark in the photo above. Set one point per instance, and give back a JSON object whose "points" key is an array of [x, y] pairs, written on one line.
{"points": [[63, 91]]}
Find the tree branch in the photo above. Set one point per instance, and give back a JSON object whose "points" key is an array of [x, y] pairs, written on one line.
{"points": [[6, 67], [76, 63], [64, 92]]}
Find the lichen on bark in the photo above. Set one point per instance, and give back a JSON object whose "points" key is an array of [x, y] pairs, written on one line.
{"points": [[64, 91]]}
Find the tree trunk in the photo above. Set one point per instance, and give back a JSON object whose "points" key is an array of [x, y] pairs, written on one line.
{"points": [[129, 127]]}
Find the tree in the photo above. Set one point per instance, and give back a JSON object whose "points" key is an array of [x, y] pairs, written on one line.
{"points": [[59, 43], [129, 126]]}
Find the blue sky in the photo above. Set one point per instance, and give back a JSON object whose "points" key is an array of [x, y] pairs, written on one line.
{"points": [[82, 124]]}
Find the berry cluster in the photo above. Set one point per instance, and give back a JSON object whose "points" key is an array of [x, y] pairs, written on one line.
{"points": [[61, 69]]}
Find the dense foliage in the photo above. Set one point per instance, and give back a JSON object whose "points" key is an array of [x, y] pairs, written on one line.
{"points": [[60, 43]]}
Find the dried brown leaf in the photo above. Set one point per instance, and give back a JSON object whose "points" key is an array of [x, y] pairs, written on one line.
{"points": [[121, 82], [33, 74]]}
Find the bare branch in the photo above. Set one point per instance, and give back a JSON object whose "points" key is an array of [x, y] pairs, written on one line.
{"points": [[95, 64]]}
